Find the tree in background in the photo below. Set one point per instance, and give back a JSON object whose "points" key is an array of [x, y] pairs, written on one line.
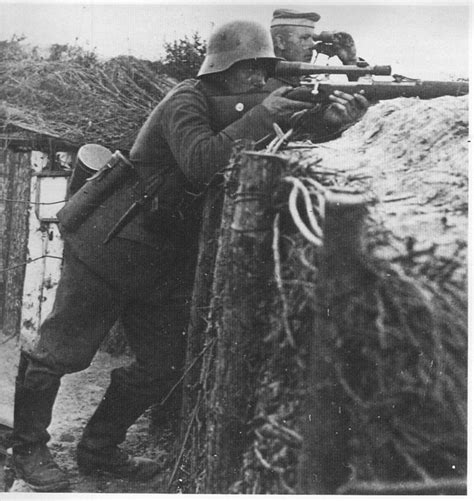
{"points": [[184, 57], [14, 50], [72, 53]]}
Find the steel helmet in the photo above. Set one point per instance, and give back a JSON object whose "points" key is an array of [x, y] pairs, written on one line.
{"points": [[236, 41]]}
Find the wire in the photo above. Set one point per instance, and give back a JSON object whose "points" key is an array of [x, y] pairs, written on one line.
{"points": [[4, 270], [12, 200], [190, 366]]}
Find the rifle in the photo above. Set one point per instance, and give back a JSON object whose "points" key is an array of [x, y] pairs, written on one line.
{"points": [[380, 91], [228, 109]]}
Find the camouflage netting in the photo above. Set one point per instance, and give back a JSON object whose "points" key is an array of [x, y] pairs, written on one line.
{"points": [[102, 103], [399, 337]]}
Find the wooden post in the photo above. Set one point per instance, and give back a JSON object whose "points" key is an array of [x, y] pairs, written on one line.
{"points": [[3, 224], [244, 324], [17, 236], [323, 466]]}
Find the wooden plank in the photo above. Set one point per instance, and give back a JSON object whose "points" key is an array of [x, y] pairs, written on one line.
{"points": [[9, 356], [16, 231], [42, 275], [52, 269], [10, 339], [3, 196]]}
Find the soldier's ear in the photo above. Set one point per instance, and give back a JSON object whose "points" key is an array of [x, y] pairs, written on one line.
{"points": [[279, 42]]}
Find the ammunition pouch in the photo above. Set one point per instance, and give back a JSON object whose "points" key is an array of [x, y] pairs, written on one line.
{"points": [[95, 191], [117, 200]]}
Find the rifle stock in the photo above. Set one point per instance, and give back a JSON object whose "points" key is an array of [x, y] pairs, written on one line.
{"points": [[228, 109]]}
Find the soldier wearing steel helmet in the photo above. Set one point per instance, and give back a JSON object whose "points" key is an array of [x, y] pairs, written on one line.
{"points": [[143, 276]]}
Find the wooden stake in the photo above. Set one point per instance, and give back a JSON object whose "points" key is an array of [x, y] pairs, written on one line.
{"points": [[247, 288]]}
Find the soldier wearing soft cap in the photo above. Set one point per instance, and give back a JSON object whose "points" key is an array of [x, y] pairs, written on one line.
{"points": [[294, 38]]}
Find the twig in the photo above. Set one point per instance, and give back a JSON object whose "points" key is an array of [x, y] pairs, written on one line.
{"points": [[304, 261], [380, 321], [183, 445], [438, 486], [286, 488], [265, 463], [276, 258], [345, 385], [396, 198], [410, 461], [190, 366], [319, 187], [274, 146], [291, 437]]}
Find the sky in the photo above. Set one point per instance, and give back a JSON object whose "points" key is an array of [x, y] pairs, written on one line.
{"points": [[422, 39]]}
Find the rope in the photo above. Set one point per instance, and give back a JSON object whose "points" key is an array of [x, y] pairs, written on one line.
{"points": [[315, 239], [309, 205]]}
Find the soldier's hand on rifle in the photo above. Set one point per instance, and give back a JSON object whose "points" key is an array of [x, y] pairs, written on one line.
{"points": [[336, 43], [283, 108], [345, 108]]}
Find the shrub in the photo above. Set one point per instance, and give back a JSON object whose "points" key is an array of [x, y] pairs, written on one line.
{"points": [[184, 57]]}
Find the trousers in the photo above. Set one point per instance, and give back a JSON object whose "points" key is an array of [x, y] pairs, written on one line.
{"points": [[149, 291]]}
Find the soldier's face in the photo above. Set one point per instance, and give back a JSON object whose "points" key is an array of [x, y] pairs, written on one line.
{"points": [[245, 76], [295, 43]]}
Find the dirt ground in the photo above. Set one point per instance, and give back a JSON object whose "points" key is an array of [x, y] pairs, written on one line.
{"points": [[78, 397]]}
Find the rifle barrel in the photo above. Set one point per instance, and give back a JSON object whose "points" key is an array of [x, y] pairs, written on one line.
{"points": [[293, 69], [424, 89]]}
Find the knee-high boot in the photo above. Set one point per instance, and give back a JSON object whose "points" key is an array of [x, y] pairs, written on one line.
{"points": [[33, 405], [98, 449]]}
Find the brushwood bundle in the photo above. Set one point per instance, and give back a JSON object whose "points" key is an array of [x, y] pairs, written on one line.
{"points": [[101, 102], [398, 345]]}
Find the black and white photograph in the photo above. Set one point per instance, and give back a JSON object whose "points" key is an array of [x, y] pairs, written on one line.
{"points": [[234, 247]]}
